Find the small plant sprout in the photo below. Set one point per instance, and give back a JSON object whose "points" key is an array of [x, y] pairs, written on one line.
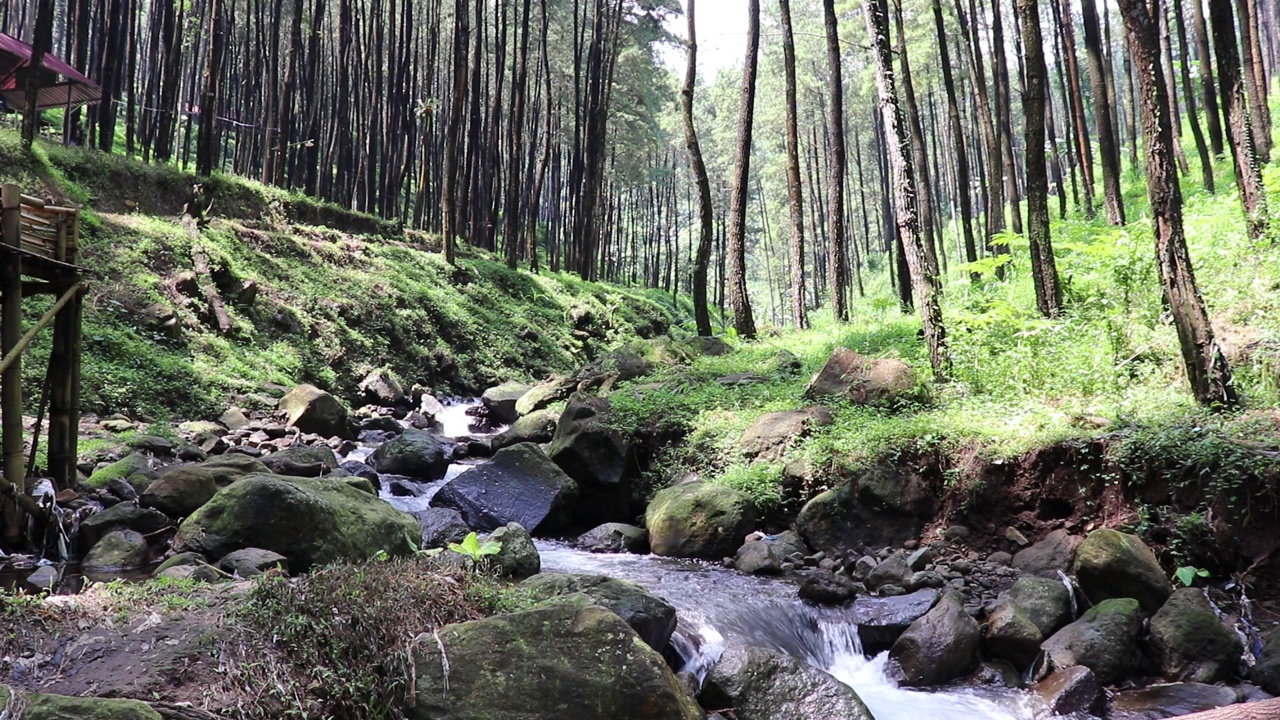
{"points": [[1187, 574], [472, 548]]}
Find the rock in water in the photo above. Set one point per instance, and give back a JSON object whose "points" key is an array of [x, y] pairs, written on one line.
{"points": [[313, 410], [500, 401], [118, 550], [826, 588], [1189, 641], [762, 684], [558, 661], [518, 557], [1104, 639], [1072, 690], [416, 454], [615, 538], [441, 526], [938, 647], [881, 620], [595, 456], [653, 618], [311, 521], [1111, 564], [1012, 636], [520, 484], [538, 427], [1266, 673], [697, 520], [861, 380]]}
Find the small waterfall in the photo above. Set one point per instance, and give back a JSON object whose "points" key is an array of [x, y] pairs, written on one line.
{"points": [[1071, 593]]}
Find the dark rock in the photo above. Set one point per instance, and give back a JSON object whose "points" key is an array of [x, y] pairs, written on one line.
{"points": [[500, 401], [881, 620], [1055, 552], [361, 470], [862, 380], [882, 506], [653, 618], [1111, 564], [940, 646], [313, 410], [924, 579], [761, 684], [382, 426], [1157, 702], [520, 484], [180, 490], [153, 444], [1046, 602], [709, 346], [228, 468], [416, 453], [698, 520], [302, 461], [766, 555], [596, 457], [1012, 636], [615, 538], [1104, 639], [920, 559], [124, 515], [380, 387], [460, 670], [250, 562], [1266, 672], [772, 434], [441, 526], [1190, 643], [538, 427], [1000, 558], [1071, 691], [894, 570], [118, 550], [518, 557], [826, 588]]}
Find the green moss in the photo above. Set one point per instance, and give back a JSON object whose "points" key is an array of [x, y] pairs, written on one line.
{"points": [[126, 467]]}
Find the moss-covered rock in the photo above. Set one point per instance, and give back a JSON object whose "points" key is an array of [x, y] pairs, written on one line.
{"points": [[313, 410], [542, 395], [862, 380], [415, 453], [518, 556], [557, 661], [761, 684], [1011, 635], [596, 456], [615, 538], [180, 490], [537, 427], [1111, 564], [311, 521], [1104, 639], [653, 618], [698, 520], [123, 515], [1046, 602], [879, 506], [118, 550], [60, 707], [1266, 672], [132, 467], [1189, 641], [302, 461], [228, 468], [501, 400]]}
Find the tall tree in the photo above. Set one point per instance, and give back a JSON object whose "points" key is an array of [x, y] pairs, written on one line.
{"points": [[743, 322], [1108, 138], [702, 261], [1206, 366], [795, 191], [453, 134], [1212, 118], [208, 142], [41, 43], [1235, 116], [923, 280], [1084, 151], [1189, 96], [837, 267], [1255, 81], [918, 157], [957, 142], [1044, 271]]}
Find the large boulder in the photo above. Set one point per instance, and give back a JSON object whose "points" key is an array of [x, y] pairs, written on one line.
{"points": [[125, 515], [380, 387], [520, 484], [653, 618], [1051, 555], [500, 401], [862, 380], [1266, 672], [62, 707], [1189, 641], [441, 526], [302, 461], [311, 521], [939, 647], [228, 468], [761, 684], [251, 562], [698, 520], [772, 434], [1072, 691], [415, 453], [1104, 639], [1111, 564], [1011, 635], [596, 456], [118, 550], [545, 393], [538, 427], [180, 490], [313, 410], [882, 620], [1046, 602], [766, 555], [134, 468], [556, 661], [883, 505], [517, 556], [615, 538]]}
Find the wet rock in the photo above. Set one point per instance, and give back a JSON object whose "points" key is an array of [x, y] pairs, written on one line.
{"points": [[380, 387], [862, 380], [893, 571], [525, 653], [358, 469], [118, 550], [180, 490], [302, 461], [765, 556], [441, 526], [1190, 643], [1266, 672], [698, 520], [1111, 564], [1157, 702], [251, 562], [44, 577], [772, 434], [520, 484], [761, 684], [416, 453], [826, 588], [545, 393], [615, 538], [518, 557], [1104, 639], [313, 410], [538, 427], [940, 646], [500, 401], [1055, 552], [653, 618], [124, 515], [1072, 690], [1046, 602], [1012, 636], [595, 456]]}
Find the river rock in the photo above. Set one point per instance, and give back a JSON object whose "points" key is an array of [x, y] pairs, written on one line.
{"points": [[517, 557], [939, 647], [895, 570], [504, 666], [545, 393], [228, 468], [118, 550], [762, 684], [772, 434], [125, 515], [302, 461], [653, 618], [765, 555], [538, 427], [1104, 639], [698, 520], [416, 453], [1071, 691], [251, 562], [311, 521], [595, 456], [1046, 602], [152, 444], [826, 588], [380, 387], [233, 419], [1190, 643], [355, 468], [1012, 636], [862, 380], [881, 620], [1157, 702], [1054, 553], [881, 506], [1111, 564], [61, 707], [500, 401], [520, 484], [180, 490], [615, 538], [133, 468], [441, 526], [1266, 672], [313, 410]]}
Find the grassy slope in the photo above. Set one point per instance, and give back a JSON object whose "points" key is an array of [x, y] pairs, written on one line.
{"points": [[332, 303]]}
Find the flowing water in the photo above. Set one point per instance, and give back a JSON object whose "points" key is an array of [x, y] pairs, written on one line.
{"points": [[716, 605]]}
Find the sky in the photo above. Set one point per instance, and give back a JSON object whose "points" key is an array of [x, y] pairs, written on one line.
{"points": [[722, 37]]}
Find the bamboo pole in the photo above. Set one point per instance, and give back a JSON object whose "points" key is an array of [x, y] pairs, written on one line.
{"points": [[11, 378], [16, 350]]}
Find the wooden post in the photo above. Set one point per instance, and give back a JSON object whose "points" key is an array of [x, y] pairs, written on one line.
{"points": [[62, 451], [11, 380]]}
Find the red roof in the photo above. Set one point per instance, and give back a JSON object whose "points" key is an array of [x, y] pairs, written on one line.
{"points": [[60, 84]]}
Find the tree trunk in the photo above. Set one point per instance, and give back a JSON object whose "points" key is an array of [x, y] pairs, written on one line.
{"points": [[1189, 95], [1205, 364], [837, 270], [918, 157], [1004, 122], [702, 262], [1108, 140], [1084, 148], [795, 194], [208, 145], [1255, 84], [41, 43], [1044, 272], [742, 319], [1236, 118], [453, 133], [1212, 118], [923, 280], [957, 142]]}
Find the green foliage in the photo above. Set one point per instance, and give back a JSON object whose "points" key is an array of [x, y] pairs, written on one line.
{"points": [[474, 550], [761, 481], [1187, 575]]}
